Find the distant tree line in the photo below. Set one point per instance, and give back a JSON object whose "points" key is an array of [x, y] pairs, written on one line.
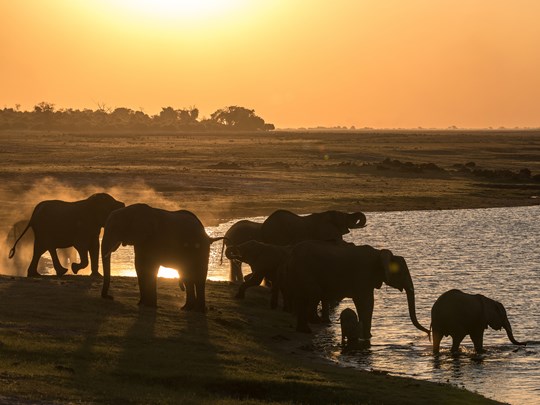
{"points": [[44, 116]]}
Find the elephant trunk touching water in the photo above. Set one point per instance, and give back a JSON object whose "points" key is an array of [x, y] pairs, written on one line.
{"points": [[329, 271], [459, 314]]}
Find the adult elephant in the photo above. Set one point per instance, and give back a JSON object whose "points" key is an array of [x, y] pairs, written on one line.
{"points": [[286, 228], [459, 314], [175, 239], [240, 232], [265, 260], [328, 272], [60, 224], [66, 256]]}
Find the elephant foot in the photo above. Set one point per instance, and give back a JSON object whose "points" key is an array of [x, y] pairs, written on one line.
{"points": [[61, 271], [147, 304], [96, 274], [34, 274], [107, 296], [75, 267]]}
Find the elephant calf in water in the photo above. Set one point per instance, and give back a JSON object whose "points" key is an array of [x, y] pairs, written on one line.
{"points": [[60, 224], [351, 328], [459, 314]]}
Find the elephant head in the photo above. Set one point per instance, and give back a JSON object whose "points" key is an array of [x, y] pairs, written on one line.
{"points": [[246, 252], [332, 225], [101, 205], [125, 226], [496, 318], [397, 275]]}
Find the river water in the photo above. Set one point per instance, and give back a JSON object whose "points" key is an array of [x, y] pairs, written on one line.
{"points": [[495, 252]]}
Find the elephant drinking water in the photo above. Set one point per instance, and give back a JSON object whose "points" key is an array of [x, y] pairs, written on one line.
{"points": [[459, 314], [328, 271]]}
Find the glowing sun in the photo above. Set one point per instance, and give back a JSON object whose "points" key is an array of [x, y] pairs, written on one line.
{"points": [[182, 9]]}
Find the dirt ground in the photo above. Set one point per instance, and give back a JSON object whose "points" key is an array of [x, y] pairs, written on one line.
{"points": [[229, 175]]}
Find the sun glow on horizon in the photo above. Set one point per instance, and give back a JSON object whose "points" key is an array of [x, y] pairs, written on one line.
{"points": [[185, 10]]}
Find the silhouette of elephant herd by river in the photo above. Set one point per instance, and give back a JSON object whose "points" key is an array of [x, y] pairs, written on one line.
{"points": [[303, 258]]}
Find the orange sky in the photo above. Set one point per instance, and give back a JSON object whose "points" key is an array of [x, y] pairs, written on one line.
{"points": [[376, 63]]}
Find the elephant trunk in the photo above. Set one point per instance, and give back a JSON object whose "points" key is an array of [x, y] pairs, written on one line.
{"points": [[508, 330], [359, 220], [409, 290]]}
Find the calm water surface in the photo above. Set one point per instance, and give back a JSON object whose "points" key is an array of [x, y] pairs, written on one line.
{"points": [[495, 252]]}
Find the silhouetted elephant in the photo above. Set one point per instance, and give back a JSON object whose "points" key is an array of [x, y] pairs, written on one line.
{"points": [[286, 228], [66, 256], [59, 224], [265, 261], [240, 232], [459, 314], [328, 272], [351, 328], [175, 239]]}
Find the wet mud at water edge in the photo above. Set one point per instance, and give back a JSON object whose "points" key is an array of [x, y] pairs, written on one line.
{"points": [[495, 252]]}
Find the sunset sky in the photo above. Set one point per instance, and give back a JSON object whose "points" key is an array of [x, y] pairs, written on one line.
{"points": [[298, 63]]}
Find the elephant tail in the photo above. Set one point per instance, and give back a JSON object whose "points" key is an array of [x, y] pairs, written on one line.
{"points": [[12, 251], [224, 239]]}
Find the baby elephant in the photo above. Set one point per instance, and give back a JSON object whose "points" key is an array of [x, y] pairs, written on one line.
{"points": [[458, 314], [351, 329]]}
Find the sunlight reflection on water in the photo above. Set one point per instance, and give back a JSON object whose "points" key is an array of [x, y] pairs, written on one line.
{"points": [[495, 252]]}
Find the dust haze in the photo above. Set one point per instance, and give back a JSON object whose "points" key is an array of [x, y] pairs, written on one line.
{"points": [[22, 203]]}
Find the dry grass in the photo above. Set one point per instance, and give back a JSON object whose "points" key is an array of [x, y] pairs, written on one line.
{"points": [[224, 175]]}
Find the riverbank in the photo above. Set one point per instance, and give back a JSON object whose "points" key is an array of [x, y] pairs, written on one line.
{"points": [[61, 343]]}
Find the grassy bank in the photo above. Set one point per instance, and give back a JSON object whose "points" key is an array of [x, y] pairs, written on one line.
{"points": [[61, 343]]}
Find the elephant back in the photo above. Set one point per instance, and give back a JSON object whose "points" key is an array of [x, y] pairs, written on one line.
{"points": [[282, 228]]}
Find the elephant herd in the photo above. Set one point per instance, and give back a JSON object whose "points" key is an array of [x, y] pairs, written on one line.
{"points": [[304, 258]]}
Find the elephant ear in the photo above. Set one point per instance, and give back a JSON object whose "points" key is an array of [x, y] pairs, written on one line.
{"points": [[494, 313], [386, 261]]}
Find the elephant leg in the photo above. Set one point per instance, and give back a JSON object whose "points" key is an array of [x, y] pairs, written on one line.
{"points": [[478, 341], [60, 270], [436, 340], [147, 279], [32, 268], [236, 271], [456, 341], [200, 296], [190, 295], [254, 280], [94, 258], [147, 272], [83, 254], [364, 307]]}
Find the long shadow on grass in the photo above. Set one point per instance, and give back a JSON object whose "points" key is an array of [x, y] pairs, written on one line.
{"points": [[168, 350]]}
